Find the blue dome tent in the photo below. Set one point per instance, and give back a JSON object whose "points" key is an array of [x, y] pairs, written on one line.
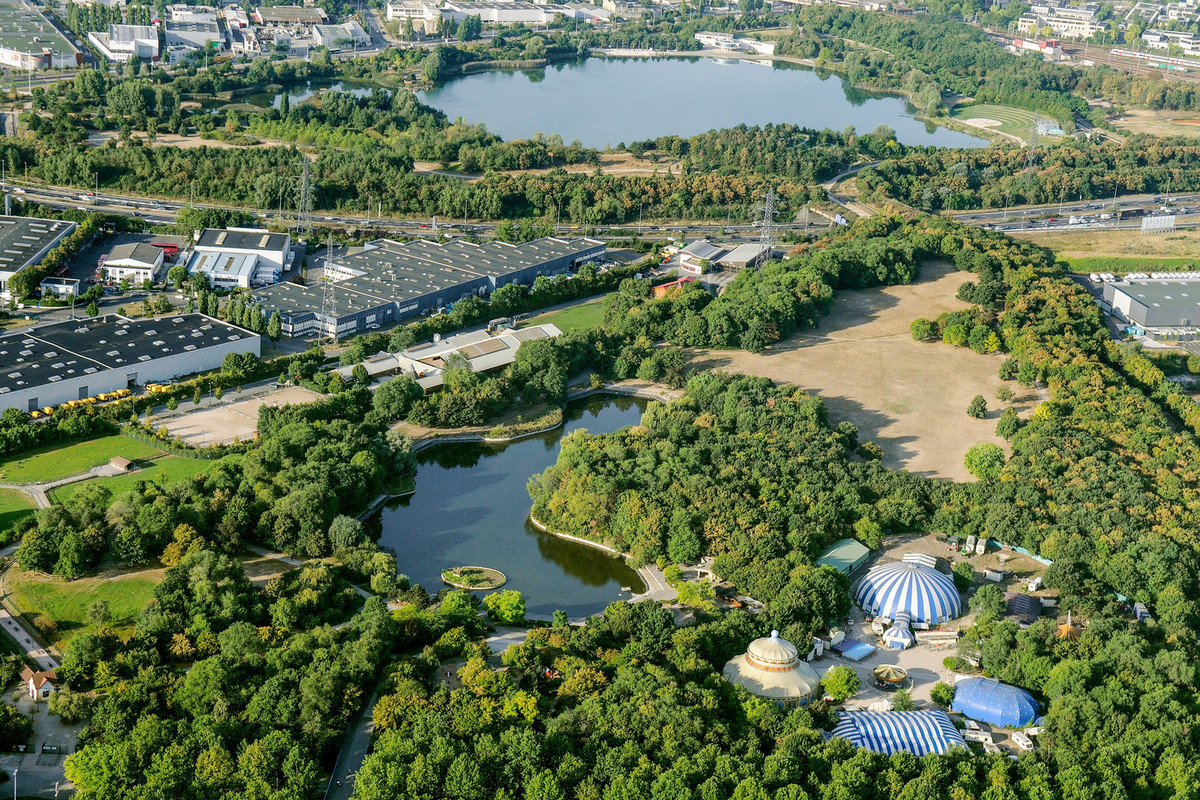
{"points": [[929, 597], [995, 703]]}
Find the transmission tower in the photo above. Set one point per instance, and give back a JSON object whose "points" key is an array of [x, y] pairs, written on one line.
{"points": [[304, 202], [766, 236], [328, 301]]}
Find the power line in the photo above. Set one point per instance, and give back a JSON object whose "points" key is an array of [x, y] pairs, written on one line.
{"points": [[766, 236], [328, 301], [304, 202]]}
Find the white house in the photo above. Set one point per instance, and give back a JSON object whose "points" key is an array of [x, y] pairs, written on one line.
{"points": [[136, 263], [60, 288], [40, 685]]}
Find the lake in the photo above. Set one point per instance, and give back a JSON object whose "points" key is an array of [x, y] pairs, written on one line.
{"points": [[298, 93], [471, 507], [603, 102]]}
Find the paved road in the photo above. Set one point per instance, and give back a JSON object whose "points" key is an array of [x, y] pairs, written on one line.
{"points": [[341, 784], [26, 639]]}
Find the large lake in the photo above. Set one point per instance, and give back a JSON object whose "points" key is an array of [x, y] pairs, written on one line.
{"points": [[471, 507], [603, 102]]}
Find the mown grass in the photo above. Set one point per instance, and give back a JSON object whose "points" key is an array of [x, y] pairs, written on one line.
{"points": [[63, 461], [66, 602], [14, 506], [1118, 264], [163, 470], [1013, 121], [585, 315]]}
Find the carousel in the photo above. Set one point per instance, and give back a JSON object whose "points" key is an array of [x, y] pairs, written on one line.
{"points": [[889, 677]]}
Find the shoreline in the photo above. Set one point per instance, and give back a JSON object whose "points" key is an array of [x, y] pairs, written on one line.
{"points": [[651, 576]]}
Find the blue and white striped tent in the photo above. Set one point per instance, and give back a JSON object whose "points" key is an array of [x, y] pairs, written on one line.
{"points": [[925, 594], [899, 636], [888, 732]]}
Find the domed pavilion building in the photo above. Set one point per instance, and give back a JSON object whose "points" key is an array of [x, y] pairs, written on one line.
{"points": [[771, 668]]}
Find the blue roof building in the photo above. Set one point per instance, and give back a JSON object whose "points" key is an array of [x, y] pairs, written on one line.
{"points": [[929, 597], [995, 703], [888, 732]]}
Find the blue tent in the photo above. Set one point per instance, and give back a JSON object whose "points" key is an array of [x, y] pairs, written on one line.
{"points": [[917, 732], [926, 595], [995, 703]]}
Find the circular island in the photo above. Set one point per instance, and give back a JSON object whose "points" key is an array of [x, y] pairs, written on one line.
{"points": [[473, 578]]}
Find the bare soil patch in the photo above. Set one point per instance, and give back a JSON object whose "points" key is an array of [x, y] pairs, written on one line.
{"points": [[1160, 123], [1184, 243], [909, 397], [238, 420]]}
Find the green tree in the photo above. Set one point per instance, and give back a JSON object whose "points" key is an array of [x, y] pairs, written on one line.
{"points": [[922, 330], [964, 574], [978, 407], [902, 701], [98, 614], [92, 309], [841, 682], [275, 327], [1008, 424], [507, 607], [942, 694], [984, 461]]}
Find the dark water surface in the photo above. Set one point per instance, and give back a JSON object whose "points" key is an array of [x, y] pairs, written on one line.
{"points": [[471, 507]]}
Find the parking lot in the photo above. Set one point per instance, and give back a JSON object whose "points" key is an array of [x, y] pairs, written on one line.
{"points": [[83, 264]]}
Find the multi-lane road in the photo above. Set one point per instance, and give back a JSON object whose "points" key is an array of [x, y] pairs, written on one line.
{"points": [[1056, 216]]}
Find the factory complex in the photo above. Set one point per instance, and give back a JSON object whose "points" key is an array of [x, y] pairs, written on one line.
{"points": [[390, 281], [73, 360], [1163, 304]]}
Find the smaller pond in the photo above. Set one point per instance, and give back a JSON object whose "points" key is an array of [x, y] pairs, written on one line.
{"points": [[471, 507]]}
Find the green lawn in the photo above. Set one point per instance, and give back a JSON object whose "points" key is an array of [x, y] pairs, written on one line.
{"points": [[66, 602], [14, 506], [1013, 121], [585, 315], [1087, 264], [164, 470], [59, 461]]}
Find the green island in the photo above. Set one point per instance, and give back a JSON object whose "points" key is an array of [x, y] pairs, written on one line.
{"points": [[473, 578]]}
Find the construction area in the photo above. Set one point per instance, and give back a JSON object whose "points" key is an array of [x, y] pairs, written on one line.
{"points": [[236, 421]]}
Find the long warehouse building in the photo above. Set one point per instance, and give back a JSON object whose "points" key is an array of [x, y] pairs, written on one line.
{"points": [[390, 281], [1155, 303], [25, 241], [52, 364]]}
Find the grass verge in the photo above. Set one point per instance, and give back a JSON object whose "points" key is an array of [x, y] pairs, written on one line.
{"points": [[584, 315], [14, 506]]}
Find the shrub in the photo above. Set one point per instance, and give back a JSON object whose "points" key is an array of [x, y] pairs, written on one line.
{"points": [[964, 573], [942, 693], [978, 407], [902, 701], [841, 682], [922, 330]]}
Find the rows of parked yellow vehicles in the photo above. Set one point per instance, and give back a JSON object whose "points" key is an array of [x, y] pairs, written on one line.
{"points": [[103, 397]]}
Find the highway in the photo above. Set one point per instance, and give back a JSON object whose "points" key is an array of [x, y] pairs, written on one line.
{"points": [[1056, 216], [163, 212]]}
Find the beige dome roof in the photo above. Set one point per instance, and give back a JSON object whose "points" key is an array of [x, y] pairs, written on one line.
{"points": [[771, 668], [771, 652]]}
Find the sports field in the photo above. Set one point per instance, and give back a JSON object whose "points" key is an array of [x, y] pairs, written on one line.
{"points": [[239, 420], [59, 461], [21, 23], [163, 470], [1016, 122]]}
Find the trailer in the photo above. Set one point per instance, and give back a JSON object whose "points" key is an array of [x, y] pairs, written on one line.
{"points": [[981, 546]]}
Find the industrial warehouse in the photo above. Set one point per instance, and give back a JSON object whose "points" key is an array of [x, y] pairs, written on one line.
{"points": [[73, 360], [390, 281], [25, 241], [1155, 301]]}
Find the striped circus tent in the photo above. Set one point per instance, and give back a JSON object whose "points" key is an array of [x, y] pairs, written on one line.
{"points": [[916, 732], [929, 597], [898, 637]]}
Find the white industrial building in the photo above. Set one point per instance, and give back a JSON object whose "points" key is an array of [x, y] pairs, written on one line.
{"points": [[123, 42], [340, 37], [60, 288], [193, 34], [241, 257], [500, 13], [702, 256], [136, 263], [289, 16], [25, 241], [53, 364]]}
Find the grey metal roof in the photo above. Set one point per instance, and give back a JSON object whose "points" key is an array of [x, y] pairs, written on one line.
{"points": [[1163, 293], [22, 238], [63, 350], [242, 239], [703, 249], [144, 253]]}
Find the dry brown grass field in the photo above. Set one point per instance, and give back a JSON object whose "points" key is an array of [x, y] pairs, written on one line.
{"points": [[909, 397]]}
